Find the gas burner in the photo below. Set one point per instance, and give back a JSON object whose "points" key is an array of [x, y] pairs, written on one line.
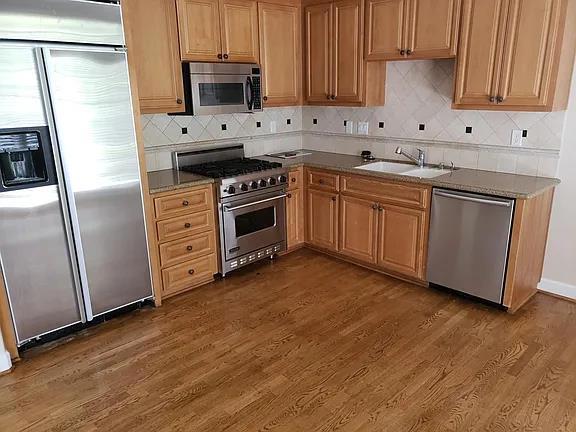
{"points": [[231, 167]]}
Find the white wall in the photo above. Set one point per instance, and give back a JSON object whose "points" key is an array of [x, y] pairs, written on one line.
{"points": [[560, 265]]}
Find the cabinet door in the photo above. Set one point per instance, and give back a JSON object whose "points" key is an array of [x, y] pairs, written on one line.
{"points": [[347, 56], [433, 28], [239, 26], [322, 220], [480, 52], [318, 20], [199, 25], [280, 51], [401, 242], [386, 29], [152, 38], [531, 34], [358, 219], [294, 218]]}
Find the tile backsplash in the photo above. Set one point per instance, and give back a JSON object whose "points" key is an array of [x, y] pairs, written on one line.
{"points": [[417, 114]]}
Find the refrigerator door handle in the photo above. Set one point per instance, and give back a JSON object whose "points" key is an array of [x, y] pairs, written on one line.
{"points": [[66, 199]]}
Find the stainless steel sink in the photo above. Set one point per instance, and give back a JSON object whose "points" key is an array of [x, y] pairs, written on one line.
{"points": [[404, 169]]}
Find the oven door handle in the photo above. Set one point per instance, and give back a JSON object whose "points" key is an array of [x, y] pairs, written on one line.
{"points": [[229, 209]]}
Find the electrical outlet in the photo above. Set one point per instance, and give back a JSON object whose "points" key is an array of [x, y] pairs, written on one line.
{"points": [[273, 126], [349, 127], [517, 139], [362, 128]]}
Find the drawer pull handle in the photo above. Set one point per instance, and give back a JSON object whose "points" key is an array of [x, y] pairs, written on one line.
{"points": [[185, 203], [187, 225], [191, 271], [189, 248]]}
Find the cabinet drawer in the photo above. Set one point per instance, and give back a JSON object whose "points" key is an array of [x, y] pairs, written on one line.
{"points": [[186, 202], [189, 274], [403, 194], [187, 248], [183, 226], [323, 180], [295, 179]]}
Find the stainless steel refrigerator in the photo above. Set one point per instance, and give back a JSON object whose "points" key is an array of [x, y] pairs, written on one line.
{"points": [[72, 228]]}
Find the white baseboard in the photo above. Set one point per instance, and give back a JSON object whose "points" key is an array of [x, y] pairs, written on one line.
{"points": [[558, 288], [5, 361]]}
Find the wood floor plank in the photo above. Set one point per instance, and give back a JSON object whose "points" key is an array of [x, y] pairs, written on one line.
{"points": [[306, 343]]}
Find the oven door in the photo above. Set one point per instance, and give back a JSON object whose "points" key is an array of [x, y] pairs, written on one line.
{"points": [[220, 94], [253, 223]]}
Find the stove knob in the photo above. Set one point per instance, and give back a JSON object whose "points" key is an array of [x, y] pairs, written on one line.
{"points": [[254, 185], [243, 187], [282, 179], [231, 189], [263, 183], [272, 181]]}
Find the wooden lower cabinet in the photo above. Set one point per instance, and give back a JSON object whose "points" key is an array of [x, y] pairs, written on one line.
{"points": [[294, 218], [402, 233], [322, 218], [358, 228]]}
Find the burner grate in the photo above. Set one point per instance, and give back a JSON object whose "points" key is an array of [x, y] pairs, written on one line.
{"points": [[231, 167]]}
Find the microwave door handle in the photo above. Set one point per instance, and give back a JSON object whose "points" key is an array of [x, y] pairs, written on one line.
{"points": [[249, 93]]}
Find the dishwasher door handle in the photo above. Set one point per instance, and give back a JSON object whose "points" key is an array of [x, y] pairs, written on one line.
{"points": [[473, 199]]}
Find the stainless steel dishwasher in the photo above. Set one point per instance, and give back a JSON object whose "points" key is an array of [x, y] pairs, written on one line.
{"points": [[469, 242]]}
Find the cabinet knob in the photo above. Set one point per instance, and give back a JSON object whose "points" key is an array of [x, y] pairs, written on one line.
{"points": [[499, 99], [185, 203], [333, 97], [409, 52], [492, 99], [187, 225], [225, 56], [321, 181], [374, 206], [219, 56], [191, 271], [265, 98], [380, 208], [189, 248], [402, 52], [293, 179], [328, 96], [333, 198], [289, 195], [179, 101]]}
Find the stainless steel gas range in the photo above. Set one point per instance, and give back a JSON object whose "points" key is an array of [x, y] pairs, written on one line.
{"points": [[251, 202]]}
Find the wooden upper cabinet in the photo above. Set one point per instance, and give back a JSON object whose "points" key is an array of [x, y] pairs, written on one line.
{"points": [[239, 27], [402, 234], [386, 28], [199, 25], [515, 55], [433, 28], [358, 238], [322, 219], [318, 26], [280, 53], [218, 30], [348, 45], [411, 29], [531, 36], [152, 40]]}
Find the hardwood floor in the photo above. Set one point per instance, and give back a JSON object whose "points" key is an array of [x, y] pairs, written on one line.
{"points": [[307, 343]]}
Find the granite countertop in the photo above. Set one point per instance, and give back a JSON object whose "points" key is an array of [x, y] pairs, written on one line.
{"points": [[171, 179], [469, 180]]}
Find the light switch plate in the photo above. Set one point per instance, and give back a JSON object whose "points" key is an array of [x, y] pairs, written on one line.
{"points": [[362, 128], [273, 126], [517, 140], [349, 127]]}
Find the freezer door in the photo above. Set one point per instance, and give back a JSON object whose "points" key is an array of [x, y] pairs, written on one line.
{"points": [[36, 262], [468, 245], [93, 112]]}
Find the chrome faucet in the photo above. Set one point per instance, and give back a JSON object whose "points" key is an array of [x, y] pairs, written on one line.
{"points": [[420, 160]]}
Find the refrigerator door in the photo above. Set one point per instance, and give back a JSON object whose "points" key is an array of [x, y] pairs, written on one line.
{"points": [[34, 245], [93, 112]]}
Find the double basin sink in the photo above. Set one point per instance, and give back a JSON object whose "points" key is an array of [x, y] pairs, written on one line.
{"points": [[404, 169]]}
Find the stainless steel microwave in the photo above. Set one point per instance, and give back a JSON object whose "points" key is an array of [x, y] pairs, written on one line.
{"points": [[222, 88]]}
